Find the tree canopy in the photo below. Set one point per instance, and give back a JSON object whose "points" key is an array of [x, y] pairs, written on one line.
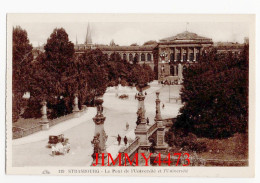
{"points": [[215, 95], [22, 57]]}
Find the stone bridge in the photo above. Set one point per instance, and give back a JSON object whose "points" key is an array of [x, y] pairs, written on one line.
{"points": [[149, 138]]}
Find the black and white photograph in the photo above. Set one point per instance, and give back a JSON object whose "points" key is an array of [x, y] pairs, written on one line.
{"points": [[161, 96]]}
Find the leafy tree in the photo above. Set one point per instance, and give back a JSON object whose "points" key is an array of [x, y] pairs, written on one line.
{"points": [[134, 44], [22, 57], [215, 94], [93, 76], [53, 76], [151, 42]]}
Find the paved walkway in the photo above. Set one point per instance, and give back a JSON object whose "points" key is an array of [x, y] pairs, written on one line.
{"points": [[57, 129]]}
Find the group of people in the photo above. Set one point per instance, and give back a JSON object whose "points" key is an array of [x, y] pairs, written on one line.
{"points": [[119, 140], [61, 147]]}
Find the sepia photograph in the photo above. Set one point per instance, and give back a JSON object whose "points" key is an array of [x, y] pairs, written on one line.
{"points": [[101, 92]]}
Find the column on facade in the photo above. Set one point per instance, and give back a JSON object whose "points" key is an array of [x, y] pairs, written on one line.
{"points": [[175, 70], [180, 77], [188, 54], [194, 54], [181, 54], [175, 54], [127, 57], [201, 51], [146, 57]]}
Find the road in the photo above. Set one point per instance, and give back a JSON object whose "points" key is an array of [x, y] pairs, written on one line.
{"points": [[31, 150]]}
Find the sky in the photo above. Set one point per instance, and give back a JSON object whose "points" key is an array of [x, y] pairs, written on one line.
{"points": [[126, 33]]}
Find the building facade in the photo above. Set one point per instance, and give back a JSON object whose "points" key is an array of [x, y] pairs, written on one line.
{"points": [[168, 57]]}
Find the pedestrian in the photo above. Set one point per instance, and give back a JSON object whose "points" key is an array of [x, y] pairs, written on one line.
{"points": [[145, 93], [119, 139], [127, 126], [163, 106], [125, 140], [147, 121]]}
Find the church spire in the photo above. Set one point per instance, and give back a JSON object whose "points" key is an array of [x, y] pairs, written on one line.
{"points": [[88, 36]]}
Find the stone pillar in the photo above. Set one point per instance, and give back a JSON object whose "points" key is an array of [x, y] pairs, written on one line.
{"points": [[158, 108], [44, 120], [180, 76], [201, 49], [181, 55], [143, 148], [175, 70], [100, 133], [194, 54], [75, 106], [141, 128], [161, 146], [175, 54], [127, 57], [188, 54], [152, 57]]}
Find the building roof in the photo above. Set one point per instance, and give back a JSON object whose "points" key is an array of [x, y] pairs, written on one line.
{"points": [[185, 36], [126, 48]]}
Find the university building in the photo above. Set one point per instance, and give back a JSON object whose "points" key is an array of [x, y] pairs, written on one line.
{"points": [[168, 57]]}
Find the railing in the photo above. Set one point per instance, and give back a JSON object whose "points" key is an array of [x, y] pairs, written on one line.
{"points": [[132, 147], [152, 129]]}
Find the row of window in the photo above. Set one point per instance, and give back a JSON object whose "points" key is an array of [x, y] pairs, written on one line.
{"points": [[178, 57], [135, 57]]}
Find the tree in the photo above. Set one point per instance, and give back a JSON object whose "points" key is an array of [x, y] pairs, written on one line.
{"points": [[22, 57], [134, 44], [151, 42], [93, 77], [215, 93], [53, 76]]}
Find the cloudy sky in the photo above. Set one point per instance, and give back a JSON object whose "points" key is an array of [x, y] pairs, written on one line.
{"points": [[126, 33]]}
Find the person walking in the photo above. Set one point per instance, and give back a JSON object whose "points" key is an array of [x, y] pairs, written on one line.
{"points": [[119, 139], [127, 126], [147, 121], [125, 140], [163, 106]]}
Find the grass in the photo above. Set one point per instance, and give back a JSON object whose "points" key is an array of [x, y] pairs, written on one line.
{"points": [[26, 123], [233, 148]]}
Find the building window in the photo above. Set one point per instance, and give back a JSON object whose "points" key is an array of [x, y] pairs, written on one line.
{"points": [[184, 57], [172, 57], [178, 56], [142, 57], [197, 56], [130, 57], [136, 59], [124, 56], [191, 58], [149, 57]]}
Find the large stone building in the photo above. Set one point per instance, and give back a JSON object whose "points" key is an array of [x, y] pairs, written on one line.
{"points": [[168, 57]]}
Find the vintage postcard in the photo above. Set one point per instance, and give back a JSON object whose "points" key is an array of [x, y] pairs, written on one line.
{"points": [[131, 95]]}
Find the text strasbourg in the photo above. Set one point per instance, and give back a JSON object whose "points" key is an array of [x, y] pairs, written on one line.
{"points": [[122, 159]]}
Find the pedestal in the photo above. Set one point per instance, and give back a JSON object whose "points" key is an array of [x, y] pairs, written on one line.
{"points": [[161, 146], [44, 120]]}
